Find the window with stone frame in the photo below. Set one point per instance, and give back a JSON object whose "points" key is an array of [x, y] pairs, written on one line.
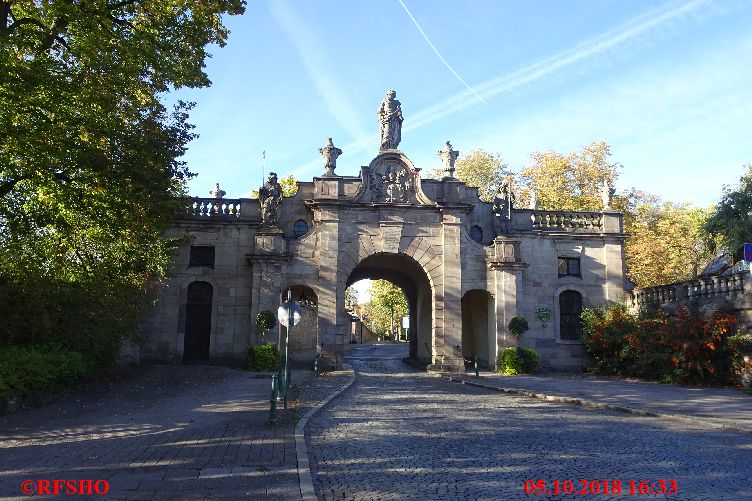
{"points": [[201, 256], [569, 267]]}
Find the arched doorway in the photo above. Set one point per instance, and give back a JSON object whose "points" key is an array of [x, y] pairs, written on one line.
{"points": [[570, 308], [198, 322], [477, 317], [404, 272]]}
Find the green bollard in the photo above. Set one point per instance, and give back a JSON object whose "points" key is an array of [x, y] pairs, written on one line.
{"points": [[475, 365], [273, 401], [288, 380]]}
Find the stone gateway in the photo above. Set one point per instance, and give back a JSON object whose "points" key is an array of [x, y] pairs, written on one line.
{"points": [[467, 267]]}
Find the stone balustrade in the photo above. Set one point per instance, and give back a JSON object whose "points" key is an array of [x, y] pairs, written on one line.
{"points": [[702, 289], [212, 208], [566, 221], [560, 220]]}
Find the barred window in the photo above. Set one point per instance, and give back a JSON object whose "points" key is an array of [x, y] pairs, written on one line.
{"points": [[300, 228], [569, 266], [201, 255]]}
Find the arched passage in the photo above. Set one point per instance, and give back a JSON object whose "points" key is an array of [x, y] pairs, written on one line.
{"points": [[404, 272], [478, 326], [198, 322]]}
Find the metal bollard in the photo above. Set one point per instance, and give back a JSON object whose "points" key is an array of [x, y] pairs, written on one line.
{"points": [[316, 366], [475, 365], [273, 400], [288, 379]]}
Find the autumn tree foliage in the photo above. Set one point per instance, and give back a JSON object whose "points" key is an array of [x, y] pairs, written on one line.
{"points": [[570, 181], [668, 242]]}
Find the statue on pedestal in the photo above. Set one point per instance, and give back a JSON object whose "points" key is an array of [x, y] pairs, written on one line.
{"points": [[390, 118], [533, 205], [270, 197], [607, 195], [330, 154], [217, 193], [502, 207], [448, 156]]}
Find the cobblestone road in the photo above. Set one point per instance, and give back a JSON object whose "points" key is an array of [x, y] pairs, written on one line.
{"points": [[402, 434]]}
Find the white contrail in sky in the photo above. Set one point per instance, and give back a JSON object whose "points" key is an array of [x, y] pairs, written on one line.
{"points": [[640, 26], [314, 57], [428, 41], [630, 30]]}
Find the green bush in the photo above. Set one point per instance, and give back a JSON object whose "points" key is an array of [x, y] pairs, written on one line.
{"points": [[517, 360], [518, 326], [263, 357], [265, 321], [88, 317], [24, 369]]}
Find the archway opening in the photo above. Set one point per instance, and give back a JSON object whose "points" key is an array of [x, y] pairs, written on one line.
{"points": [[198, 313], [377, 309], [406, 274], [478, 328]]}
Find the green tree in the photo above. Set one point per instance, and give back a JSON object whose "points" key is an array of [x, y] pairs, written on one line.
{"points": [[387, 306], [571, 181], [90, 169], [730, 224]]}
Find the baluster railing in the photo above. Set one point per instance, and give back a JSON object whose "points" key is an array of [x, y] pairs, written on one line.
{"points": [[561, 220], [211, 207], [698, 289]]}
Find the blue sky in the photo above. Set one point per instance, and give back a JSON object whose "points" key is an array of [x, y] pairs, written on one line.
{"points": [[667, 84]]}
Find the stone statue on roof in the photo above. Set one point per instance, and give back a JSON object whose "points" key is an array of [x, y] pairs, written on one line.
{"points": [[503, 204], [607, 195], [270, 198], [390, 119], [449, 157], [217, 192]]}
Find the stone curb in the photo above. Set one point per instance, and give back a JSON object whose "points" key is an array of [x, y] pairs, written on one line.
{"points": [[597, 405], [307, 491]]}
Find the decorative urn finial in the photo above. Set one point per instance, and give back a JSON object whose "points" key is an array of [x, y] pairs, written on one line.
{"points": [[330, 154]]}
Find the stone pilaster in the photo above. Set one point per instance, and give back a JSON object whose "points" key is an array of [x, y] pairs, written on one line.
{"points": [[447, 299], [507, 268], [268, 259], [331, 293]]}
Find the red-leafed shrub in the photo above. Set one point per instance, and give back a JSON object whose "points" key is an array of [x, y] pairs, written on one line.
{"points": [[689, 347]]}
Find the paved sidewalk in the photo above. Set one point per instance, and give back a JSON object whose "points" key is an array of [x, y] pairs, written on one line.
{"points": [[710, 406], [159, 432]]}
